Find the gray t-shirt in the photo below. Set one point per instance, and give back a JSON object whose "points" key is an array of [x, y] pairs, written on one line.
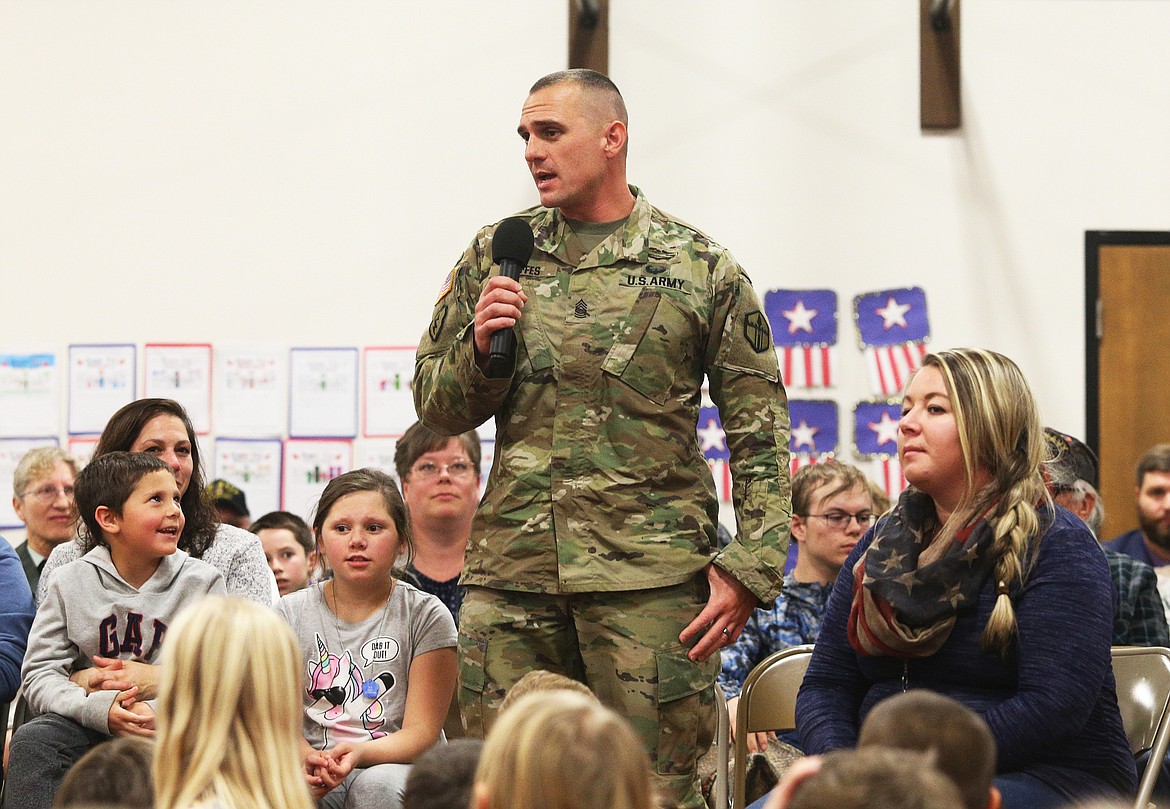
{"points": [[356, 674]]}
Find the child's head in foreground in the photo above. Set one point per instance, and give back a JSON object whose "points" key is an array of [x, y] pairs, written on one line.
{"points": [[960, 741], [229, 714], [542, 680], [559, 749]]}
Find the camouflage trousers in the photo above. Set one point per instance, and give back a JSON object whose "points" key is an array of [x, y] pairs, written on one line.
{"points": [[623, 645]]}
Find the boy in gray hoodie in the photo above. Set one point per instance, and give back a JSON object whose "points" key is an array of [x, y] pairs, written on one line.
{"points": [[114, 602]]}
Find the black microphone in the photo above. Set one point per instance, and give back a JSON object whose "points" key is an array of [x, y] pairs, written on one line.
{"points": [[511, 249]]}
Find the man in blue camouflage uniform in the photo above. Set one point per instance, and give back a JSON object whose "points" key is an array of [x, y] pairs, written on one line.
{"points": [[593, 553]]}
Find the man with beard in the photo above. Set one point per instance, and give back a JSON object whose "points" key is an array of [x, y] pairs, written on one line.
{"points": [[1151, 542]]}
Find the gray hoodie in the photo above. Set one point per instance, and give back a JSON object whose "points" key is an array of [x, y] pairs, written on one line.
{"points": [[89, 610]]}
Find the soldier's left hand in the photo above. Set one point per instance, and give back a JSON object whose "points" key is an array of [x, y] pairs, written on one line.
{"points": [[728, 609]]}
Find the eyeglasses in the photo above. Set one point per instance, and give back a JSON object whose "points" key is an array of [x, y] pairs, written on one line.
{"points": [[428, 470], [48, 493], [840, 519]]}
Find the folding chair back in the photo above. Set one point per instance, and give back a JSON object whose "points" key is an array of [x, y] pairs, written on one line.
{"points": [[1143, 694], [767, 702]]}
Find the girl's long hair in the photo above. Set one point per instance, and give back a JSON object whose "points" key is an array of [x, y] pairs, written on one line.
{"points": [[229, 713]]}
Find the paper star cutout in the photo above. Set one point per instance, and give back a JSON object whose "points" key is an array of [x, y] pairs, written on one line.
{"points": [[893, 313], [802, 436], [799, 318], [712, 436], [886, 429]]}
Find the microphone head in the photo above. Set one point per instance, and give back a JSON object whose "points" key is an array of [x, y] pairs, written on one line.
{"points": [[512, 240]]}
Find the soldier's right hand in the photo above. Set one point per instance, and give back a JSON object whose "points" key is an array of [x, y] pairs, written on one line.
{"points": [[498, 308]]}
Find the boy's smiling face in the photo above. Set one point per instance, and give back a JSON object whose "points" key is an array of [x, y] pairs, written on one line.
{"points": [[148, 527]]}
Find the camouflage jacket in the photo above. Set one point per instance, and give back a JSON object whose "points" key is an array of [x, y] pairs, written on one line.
{"points": [[598, 482]]}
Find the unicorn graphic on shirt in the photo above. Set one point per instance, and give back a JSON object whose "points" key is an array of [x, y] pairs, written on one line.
{"points": [[341, 692]]}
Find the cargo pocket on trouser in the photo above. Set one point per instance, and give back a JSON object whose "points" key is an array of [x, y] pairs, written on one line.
{"points": [[472, 678], [686, 711]]}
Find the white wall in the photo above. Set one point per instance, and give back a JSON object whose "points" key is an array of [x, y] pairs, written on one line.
{"points": [[307, 172]]}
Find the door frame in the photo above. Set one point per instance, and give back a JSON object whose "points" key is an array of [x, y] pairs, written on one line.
{"points": [[1094, 241]]}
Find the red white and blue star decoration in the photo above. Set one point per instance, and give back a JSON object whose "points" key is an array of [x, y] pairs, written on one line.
{"points": [[875, 439], [813, 436], [893, 330], [804, 329]]}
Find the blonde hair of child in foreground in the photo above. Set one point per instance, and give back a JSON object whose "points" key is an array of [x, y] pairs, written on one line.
{"points": [[229, 711], [561, 749]]}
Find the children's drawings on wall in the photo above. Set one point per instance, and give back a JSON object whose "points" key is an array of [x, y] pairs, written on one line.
{"points": [[252, 385], [323, 396], [29, 399], [253, 465], [308, 466], [81, 447], [102, 378], [183, 373], [387, 395]]}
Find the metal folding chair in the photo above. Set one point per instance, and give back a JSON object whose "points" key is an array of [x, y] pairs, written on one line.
{"points": [[1143, 694], [767, 702]]}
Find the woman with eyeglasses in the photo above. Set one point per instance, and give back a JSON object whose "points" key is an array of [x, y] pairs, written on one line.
{"points": [[440, 483], [42, 488], [977, 587]]}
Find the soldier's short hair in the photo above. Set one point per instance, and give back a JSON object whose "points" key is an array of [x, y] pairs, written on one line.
{"points": [[590, 81], [1156, 459], [419, 440]]}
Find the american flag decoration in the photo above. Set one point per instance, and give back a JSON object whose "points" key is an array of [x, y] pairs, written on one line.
{"points": [[814, 435], [875, 439], [804, 328], [713, 443], [893, 331]]}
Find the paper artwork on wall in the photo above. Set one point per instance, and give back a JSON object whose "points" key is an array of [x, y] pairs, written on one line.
{"points": [[81, 448], [309, 465], [376, 453], [102, 378], [893, 329], [254, 465], [11, 451], [29, 391], [181, 372], [253, 390], [323, 393], [386, 391], [814, 434], [804, 329], [875, 439]]}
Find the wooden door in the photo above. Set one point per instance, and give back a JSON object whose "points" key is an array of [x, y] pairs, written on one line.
{"points": [[1127, 379]]}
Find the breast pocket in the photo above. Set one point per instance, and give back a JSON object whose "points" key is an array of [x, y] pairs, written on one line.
{"points": [[656, 341]]}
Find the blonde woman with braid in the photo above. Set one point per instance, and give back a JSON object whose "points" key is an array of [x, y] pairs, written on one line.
{"points": [[229, 714], [976, 586]]}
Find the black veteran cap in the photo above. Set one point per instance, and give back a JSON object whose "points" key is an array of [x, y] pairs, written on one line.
{"points": [[1069, 459]]}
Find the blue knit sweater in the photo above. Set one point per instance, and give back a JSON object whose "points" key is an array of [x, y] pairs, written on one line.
{"points": [[1051, 703]]}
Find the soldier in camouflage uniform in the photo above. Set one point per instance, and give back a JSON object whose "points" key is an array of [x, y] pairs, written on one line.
{"points": [[594, 552]]}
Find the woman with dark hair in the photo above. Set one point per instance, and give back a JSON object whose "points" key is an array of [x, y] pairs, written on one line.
{"points": [[977, 587], [161, 427]]}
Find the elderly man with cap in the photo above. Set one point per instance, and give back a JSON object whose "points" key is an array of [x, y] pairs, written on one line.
{"points": [[230, 502], [1138, 616]]}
